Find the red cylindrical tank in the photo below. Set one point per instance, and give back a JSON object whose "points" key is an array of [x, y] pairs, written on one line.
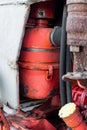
{"points": [[38, 64]]}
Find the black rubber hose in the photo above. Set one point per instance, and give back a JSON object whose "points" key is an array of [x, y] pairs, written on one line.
{"points": [[68, 84], [55, 36], [63, 59], [68, 69]]}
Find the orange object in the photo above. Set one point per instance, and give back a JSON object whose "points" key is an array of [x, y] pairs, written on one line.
{"points": [[71, 116], [82, 84], [38, 64]]}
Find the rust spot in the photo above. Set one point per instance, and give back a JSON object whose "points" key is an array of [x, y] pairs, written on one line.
{"points": [[77, 37], [53, 92], [77, 24], [24, 89], [35, 91], [13, 65]]}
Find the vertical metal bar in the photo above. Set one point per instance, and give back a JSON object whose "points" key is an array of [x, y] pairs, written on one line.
{"points": [[68, 69], [63, 58]]}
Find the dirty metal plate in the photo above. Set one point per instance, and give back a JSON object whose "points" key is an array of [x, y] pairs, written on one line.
{"points": [[75, 76], [5, 2], [76, 1], [28, 106]]}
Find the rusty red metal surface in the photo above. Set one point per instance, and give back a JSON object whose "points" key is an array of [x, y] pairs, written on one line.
{"points": [[3, 121], [19, 121], [51, 105], [39, 64], [79, 96], [43, 10], [37, 47]]}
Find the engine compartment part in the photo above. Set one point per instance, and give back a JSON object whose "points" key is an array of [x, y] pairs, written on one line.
{"points": [[21, 122], [38, 63], [39, 59], [76, 37], [44, 59], [76, 33], [71, 116], [55, 36], [63, 58], [43, 10], [3, 121], [79, 96]]}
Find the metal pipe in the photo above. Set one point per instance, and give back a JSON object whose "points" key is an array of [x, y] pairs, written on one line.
{"points": [[55, 36], [68, 84], [68, 69], [63, 58]]}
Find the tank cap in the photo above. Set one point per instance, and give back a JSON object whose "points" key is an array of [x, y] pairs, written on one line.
{"points": [[67, 110]]}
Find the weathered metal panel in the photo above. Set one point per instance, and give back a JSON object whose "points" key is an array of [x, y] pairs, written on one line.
{"points": [[77, 32], [77, 25], [76, 1], [12, 19], [13, 15], [19, 1]]}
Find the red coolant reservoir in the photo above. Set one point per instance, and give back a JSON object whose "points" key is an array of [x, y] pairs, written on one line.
{"points": [[39, 64]]}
